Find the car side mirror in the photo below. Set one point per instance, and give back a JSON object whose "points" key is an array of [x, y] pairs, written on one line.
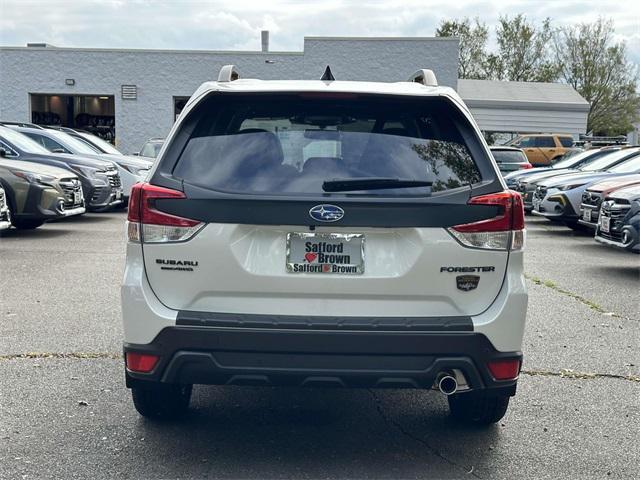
{"points": [[57, 150]]}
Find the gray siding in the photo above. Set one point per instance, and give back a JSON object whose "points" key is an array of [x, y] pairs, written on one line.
{"points": [[530, 120], [161, 75]]}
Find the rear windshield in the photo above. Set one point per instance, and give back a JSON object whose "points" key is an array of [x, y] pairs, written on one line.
{"points": [[509, 156], [294, 144]]}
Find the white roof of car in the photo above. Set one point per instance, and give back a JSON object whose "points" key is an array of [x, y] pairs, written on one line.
{"points": [[408, 88]]}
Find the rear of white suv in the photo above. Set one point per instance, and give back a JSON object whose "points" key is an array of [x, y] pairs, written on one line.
{"points": [[313, 233]]}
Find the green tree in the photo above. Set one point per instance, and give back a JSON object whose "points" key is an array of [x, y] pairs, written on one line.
{"points": [[591, 62], [473, 40], [524, 51]]}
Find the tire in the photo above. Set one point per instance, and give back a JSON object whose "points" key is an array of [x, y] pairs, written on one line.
{"points": [[162, 402], [478, 408], [27, 224]]}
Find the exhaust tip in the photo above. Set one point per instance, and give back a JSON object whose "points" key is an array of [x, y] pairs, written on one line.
{"points": [[447, 384]]}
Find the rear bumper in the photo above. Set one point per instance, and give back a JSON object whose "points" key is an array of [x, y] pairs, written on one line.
{"points": [[288, 357]]}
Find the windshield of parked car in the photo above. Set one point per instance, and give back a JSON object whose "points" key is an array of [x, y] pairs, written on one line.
{"points": [[293, 144], [102, 145], [151, 149], [628, 166], [22, 142], [607, 161], [509, 156], [575, 159], [73, 144]]}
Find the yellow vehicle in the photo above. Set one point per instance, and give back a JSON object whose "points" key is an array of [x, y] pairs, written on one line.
{"points": [[543, 149]]}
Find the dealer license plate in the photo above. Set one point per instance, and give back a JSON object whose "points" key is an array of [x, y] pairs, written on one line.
{"points": [[536, 204], [325, 253], [586, 215], [605, 223]]}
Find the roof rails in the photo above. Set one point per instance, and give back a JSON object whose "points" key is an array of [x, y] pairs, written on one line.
{"points": [[228, 73], [425, 77], [22, 124]]}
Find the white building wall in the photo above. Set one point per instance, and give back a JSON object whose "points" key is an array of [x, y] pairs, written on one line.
{"points": [[161, 75]]}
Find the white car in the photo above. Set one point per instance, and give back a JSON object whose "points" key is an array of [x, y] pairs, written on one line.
{"points": [[5, 213], [325, 233], [559, 198]]}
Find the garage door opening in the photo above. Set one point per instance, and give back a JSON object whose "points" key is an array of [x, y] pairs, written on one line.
{"points": [[93, 113]]}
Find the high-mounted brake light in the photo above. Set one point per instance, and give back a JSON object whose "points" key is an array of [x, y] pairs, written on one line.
{"points": [[505, 231], [150, 225], [526, 166]]}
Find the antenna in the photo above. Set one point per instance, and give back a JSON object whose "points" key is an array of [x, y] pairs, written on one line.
{"points": [[327, 76]]}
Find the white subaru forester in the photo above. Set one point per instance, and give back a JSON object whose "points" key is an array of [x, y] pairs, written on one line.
{"points": [[325, 233]]}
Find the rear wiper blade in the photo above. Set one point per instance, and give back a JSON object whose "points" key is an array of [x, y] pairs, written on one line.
{"points": [[374, 183]]}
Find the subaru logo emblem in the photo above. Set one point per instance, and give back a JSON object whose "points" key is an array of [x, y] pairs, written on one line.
{"points": [[326, 213]]}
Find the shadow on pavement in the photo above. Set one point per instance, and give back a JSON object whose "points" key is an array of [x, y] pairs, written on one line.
{"points": [[266, 432], [38, 233]]}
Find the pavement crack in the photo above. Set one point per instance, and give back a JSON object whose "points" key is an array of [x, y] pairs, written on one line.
{"points": [[591, 304], [392, 423], [572, 374], [80, 355]]}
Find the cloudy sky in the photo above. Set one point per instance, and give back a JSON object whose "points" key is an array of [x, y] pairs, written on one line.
{"points": [[231, 25]]}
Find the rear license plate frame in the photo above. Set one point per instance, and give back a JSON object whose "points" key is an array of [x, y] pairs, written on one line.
{"points": [[297, 262]]}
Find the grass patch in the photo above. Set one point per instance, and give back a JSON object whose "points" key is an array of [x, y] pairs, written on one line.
{"points": [[553, 286]]}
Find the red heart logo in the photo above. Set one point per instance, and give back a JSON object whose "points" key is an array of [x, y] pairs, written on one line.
{"points": [[310, 257], [325, 268]]}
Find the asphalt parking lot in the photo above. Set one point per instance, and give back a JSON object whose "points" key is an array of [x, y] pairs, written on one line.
{"points": [[65, 413]]}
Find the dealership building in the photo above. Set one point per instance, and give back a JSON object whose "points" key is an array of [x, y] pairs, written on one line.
{"points": [[128, 96]]}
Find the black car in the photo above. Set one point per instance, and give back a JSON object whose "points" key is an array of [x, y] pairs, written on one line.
{"points": [[619, 221], [99, 179]]}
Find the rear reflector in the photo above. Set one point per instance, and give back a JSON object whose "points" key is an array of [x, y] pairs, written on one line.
{"points": [[150, 225], [141, 362], [505, 231], [504, 369]]}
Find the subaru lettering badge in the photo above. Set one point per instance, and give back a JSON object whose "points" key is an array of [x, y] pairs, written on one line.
{"points": [[326, 213]]}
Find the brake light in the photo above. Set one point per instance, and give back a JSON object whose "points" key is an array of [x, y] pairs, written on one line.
{"points": [[141, 362], [505, 231], [149, 225], [504, 369], [525, 166]]}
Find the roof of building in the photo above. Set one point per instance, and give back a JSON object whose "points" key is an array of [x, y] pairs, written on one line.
{"points": [[487, 93]]}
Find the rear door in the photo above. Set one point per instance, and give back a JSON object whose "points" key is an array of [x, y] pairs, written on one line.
{"points": [[547, 147], [299, 213]]}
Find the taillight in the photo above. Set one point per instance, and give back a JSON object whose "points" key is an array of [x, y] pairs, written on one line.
{"points": [[525, 166], [502, 232], [140, 362], [149, 225], [504, 369]]}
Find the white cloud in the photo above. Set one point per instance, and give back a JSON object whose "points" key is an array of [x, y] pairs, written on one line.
{"points": [[217, 25]]}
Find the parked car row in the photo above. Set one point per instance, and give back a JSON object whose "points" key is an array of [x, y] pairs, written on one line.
{"points": [[51, 173], [597, 190]]}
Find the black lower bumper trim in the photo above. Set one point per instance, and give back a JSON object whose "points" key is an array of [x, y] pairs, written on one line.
{"points": [[248, 356], [430, 324]]}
